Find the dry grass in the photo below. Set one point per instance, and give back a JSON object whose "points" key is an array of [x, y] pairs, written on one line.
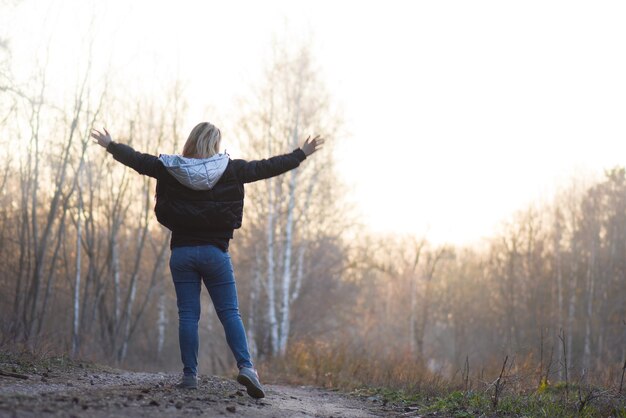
{"points": [[520, 385], [348, 367]]}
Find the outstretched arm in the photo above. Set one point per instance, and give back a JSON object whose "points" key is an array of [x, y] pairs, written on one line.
{"points": [[142, 163], [249, 171]]}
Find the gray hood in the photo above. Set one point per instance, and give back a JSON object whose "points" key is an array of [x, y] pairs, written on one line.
{"points": [[196, 173]]}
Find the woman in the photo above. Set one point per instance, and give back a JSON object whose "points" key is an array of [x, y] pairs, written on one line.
{"points": [[199, 197]]}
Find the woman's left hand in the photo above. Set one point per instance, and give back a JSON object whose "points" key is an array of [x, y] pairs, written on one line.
{"points": [[102, 139], [312, 146]]}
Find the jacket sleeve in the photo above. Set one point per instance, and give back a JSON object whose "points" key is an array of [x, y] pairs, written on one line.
{"points": [[142, 163], [249, 171]]}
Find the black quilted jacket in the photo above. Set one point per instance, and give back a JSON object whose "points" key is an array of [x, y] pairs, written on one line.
{"points": [[198, 217]]}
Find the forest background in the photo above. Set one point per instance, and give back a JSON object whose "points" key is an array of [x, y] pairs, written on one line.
{"points": [[325, 293]]}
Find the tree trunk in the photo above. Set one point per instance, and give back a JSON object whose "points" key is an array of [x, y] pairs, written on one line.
{"points": [[571, 311], [33, 294], [129, 311], [412, 313], [286, 288], [130, 299], [161, 321], [52, 272], [115, 269], [299, 272], [590, 296], [253, 306], [271, 285], [76, 322], [413, 296], [559, 284]]}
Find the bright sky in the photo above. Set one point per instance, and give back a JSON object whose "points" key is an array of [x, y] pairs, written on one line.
{"points": [[459, 112]]}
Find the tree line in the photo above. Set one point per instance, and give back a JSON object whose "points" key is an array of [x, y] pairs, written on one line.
{"points": [[549, 286], [83, 262]]}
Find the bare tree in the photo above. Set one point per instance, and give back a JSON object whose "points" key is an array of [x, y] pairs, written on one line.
{"points": [[291, 102]]}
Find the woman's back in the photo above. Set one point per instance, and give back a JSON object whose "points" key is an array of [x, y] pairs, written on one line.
{"points": [[208, 216], [201, 202]]}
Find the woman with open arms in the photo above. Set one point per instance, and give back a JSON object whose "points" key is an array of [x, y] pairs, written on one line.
{"points": [[199, 197]]}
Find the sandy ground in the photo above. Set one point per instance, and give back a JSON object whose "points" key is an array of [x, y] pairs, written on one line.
{"points": [[93, 391]]}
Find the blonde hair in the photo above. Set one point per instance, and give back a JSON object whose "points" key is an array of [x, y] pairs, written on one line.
{"points": [[203, 141]]}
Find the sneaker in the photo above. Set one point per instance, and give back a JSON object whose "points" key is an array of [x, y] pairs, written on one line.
{"points": [[189, 381], [250, 379]]}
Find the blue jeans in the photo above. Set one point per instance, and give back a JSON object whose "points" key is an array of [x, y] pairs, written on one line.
{"points": [[207, 262]]}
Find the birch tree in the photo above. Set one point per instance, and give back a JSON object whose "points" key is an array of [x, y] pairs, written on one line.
{"points": [[290, 104]]}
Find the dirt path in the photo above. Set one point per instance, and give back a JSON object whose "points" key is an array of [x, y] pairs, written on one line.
{"points": [[89, 391]]}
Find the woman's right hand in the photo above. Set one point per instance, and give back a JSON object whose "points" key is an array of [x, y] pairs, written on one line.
{"points": [[312, 146], [102, 139]]}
